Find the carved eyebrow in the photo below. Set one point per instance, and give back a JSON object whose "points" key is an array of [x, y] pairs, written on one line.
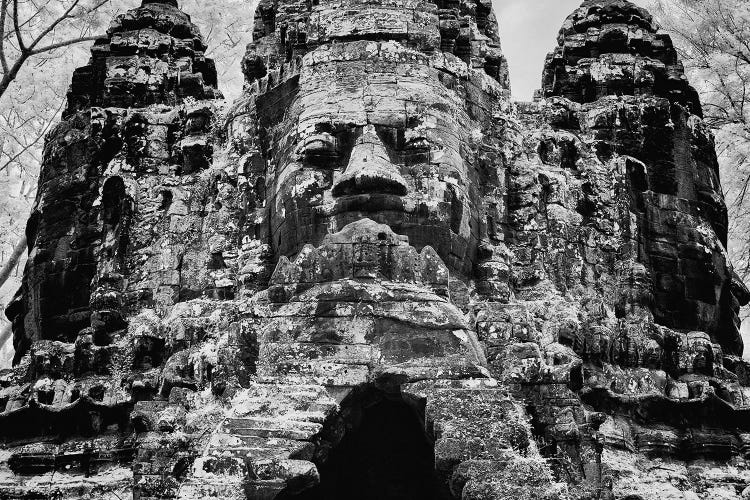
{"points": [[319, 141], [319, 147], [333, 127]]}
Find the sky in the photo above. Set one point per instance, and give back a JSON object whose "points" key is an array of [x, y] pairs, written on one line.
{"points": [[528, 31]]}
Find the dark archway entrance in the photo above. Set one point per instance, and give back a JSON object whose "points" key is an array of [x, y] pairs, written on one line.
{"points": [[384, 454]]}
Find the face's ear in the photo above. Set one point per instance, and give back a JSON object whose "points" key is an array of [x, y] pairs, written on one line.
{"points": [[273, 105]]}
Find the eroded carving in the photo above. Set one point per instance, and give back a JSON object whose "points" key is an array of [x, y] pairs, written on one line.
{"points": [[376, 248]]}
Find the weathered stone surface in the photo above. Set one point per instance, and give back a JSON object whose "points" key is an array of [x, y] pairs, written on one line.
{"points": [[376, 277], [612, 47]]}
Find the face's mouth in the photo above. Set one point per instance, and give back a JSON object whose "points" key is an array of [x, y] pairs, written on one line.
{"points": [[368, 203], [392, 209], [424, 220]]}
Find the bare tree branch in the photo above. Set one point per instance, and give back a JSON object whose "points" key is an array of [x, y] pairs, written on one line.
{"points": [[12, 261], [72, 41], [16, 29], [37, 139], [3, 18], [36, 46]]}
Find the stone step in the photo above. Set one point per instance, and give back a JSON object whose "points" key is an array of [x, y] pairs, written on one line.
{"points": [[269, 477], [200, 488], [264, 489], [300, 392], [271, 428], [303, 472], [251, 454], [352, 354], [312, 416], [220, 465], [290, 401], [315, 413], [310, 389], [322, 371], [260, 447]]}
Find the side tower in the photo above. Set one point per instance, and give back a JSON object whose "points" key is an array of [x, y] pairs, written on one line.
{"points": [[640, 106], [115, 189], [152, 58], [623, 312]]}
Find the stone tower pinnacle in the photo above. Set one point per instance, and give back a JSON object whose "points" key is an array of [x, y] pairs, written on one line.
{"points": [[152, 54], [613, 47]]}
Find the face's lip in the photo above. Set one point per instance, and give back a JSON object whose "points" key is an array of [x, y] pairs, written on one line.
{"points": [[367, 203]]}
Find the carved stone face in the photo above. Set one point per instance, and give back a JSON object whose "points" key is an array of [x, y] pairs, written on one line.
{"points": [[376, 131]]}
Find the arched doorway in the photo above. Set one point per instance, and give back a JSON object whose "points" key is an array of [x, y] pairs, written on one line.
{"points": [[384, 454]]}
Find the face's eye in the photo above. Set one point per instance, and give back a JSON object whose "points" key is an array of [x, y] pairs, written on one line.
{"points": [[320, 150], [418, 143], [417, 150], [391, 137]]}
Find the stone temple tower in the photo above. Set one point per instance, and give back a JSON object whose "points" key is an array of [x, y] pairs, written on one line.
{"points": [[373, 276]]}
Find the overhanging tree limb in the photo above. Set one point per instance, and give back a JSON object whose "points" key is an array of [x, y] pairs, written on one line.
{"points": [[12, 262], [33, 143], [65, 43], [5, 334], [3, 17], [16, 28], [34, 47]]}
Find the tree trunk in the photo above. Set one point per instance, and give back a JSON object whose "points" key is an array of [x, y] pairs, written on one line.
{"points": [[12, 261], [6, 335]]}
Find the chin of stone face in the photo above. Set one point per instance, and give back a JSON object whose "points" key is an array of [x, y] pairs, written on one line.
{"points": [[374, 276]]}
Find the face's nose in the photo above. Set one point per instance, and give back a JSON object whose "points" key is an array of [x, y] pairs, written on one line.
{"points": [[369, 169]]}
